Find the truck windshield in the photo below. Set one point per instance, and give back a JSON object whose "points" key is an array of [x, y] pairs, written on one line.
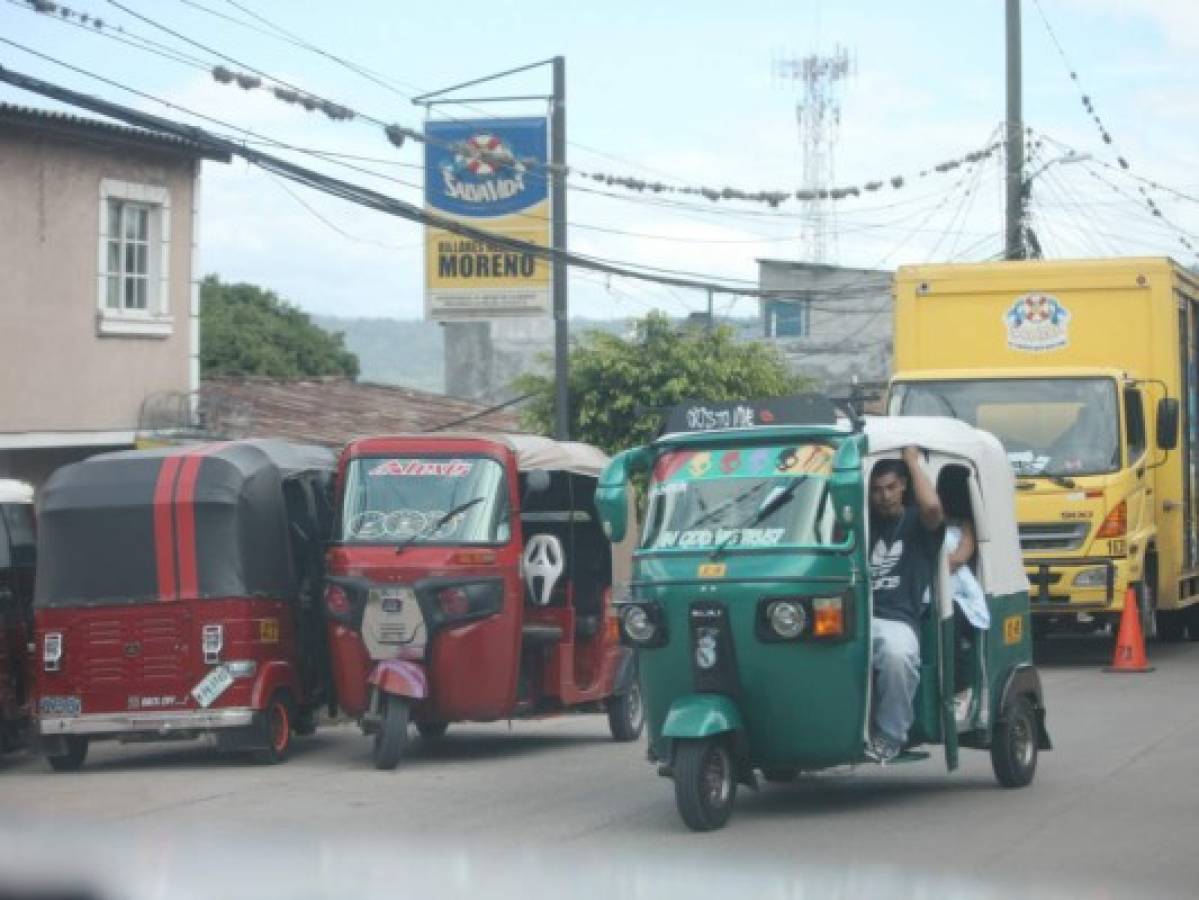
{"points": [[402, 498], [701, 500], [1049, 426]]}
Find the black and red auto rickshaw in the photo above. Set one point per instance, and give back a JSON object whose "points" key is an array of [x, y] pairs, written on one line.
{"points": [[470, 580], [178, 595], [17, 555]]}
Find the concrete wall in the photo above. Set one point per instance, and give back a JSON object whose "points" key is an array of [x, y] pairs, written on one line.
{"points": [[850, 325], [482, 358], [57, 372]]}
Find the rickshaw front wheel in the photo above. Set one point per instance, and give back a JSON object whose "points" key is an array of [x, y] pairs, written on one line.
{"points": [[705, 784], [626, 714], [392, 735], [1014, 744], [72, 760]]}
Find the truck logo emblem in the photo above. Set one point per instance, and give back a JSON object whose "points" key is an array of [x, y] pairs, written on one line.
{"points": [[1036, 322]]}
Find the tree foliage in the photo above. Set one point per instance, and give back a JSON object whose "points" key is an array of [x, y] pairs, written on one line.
{"points": [[659, 366], [246, 330]]}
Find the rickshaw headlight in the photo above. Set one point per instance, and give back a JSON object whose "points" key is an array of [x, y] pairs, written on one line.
{"points": [[638, 625], [787, 618]]}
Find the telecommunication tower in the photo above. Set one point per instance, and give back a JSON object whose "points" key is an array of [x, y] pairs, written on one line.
{"points": [[818, 115]]}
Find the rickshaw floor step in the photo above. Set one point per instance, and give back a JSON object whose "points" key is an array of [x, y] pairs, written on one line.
{"points": [[908, 756]]}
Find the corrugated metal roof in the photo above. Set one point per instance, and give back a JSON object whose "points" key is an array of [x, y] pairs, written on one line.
{"points": [[331, 411], [54, 121]]}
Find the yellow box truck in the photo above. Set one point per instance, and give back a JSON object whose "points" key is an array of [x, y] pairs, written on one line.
{"points": [[1084, 369]]}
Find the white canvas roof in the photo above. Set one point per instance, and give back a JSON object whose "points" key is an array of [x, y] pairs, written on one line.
{"points": [[15, 491], [536, 452], [1003, 562]]}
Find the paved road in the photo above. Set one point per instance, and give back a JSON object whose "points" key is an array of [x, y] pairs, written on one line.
{"points": [[1114, 812]]}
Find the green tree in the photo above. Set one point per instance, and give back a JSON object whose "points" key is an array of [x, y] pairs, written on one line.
{"points": [[246, 330], [659, 366]]}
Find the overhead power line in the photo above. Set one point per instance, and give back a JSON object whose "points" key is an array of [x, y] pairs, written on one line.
{"points": [[367, 197]]}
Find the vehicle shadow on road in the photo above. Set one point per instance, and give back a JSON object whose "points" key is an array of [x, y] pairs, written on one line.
{"points": [[475, 746], [1094, 650], [851, 792], [189, 755]]}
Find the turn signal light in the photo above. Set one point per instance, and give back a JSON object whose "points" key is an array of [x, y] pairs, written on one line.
{"points": [[337, 601], [828, 618], [472, 558], [1116, 523]]}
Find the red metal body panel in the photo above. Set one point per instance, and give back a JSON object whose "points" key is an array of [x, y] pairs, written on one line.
{"points": [[275, 675], [133, 657], [351, 669]]}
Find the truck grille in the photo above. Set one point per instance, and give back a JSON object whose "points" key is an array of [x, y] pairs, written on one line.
{"points": [[1053, 535]]}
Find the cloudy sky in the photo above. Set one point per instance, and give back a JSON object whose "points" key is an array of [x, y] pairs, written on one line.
{"points": [[682, 92]]}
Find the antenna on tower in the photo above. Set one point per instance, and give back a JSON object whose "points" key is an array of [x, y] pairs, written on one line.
{"points": [[818, 115]]}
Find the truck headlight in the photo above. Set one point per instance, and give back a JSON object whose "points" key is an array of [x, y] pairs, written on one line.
{"points": [[787, 618], [1096, 576]]}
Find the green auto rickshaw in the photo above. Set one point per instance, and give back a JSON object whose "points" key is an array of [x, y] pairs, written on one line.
{"points": [[750, 602]]}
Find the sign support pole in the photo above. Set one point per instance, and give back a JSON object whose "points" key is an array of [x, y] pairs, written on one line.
{"points": [[558, 215]]}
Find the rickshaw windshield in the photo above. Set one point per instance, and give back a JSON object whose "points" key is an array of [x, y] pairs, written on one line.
{"points": [[764, 496], [409, 498]]}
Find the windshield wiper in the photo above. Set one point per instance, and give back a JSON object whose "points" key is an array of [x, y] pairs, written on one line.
{"points": [[432, 529], [1060, 480], [771, 505], [708, 515]]}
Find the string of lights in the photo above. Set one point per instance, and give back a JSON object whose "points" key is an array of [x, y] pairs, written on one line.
{"points": [[248, 77], [1104, 133]]}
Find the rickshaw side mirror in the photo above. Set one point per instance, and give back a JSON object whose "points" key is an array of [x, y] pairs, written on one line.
{"points": [[1167, 423], [611, 496]]}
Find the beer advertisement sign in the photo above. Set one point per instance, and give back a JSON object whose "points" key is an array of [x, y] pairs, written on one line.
{"points": [[489, 174]]}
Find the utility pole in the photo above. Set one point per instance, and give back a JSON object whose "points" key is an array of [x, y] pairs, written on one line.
{"points": [[558, 216], [1014, 240]]}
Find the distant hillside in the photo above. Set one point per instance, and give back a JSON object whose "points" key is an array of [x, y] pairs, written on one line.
{"points": [[411, 353]]}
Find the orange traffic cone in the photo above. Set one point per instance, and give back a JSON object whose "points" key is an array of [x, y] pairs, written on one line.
{"points": [[1130, 643]]}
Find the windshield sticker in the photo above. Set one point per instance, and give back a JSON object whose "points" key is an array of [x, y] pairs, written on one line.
{"points": [[1037, 322], [454, 468], [700, 538], [815, 459]]}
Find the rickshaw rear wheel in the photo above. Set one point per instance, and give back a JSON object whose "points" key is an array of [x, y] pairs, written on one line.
{"points": [[72, 760], [626, 714], [431, 731], [705, 784], [1014, 744], [276, 728], [392, 735]]}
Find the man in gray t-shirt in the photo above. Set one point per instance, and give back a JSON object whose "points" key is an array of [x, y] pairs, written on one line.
{"points": [[903, 552]]}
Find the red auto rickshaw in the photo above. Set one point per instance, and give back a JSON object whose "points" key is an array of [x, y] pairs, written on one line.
{"points": [[178, 595], [17, 555], [469, 579]]}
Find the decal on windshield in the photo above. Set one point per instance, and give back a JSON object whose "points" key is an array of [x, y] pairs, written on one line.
{"points": [[708, 537], [761, 462], [454, 468], [1037, 322]]}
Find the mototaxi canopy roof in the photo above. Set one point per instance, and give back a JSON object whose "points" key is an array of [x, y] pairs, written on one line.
{"points": [[198, 521], [532, 451], [944, 437]]}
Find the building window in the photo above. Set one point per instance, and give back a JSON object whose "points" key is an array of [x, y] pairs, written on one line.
{"points": [[787, 318], [134, 250], [128, 269]]}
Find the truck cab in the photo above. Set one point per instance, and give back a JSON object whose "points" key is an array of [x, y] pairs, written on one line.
{"points": [[1086, 372]]}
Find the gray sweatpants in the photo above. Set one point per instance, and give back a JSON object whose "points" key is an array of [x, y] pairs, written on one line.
{"points": [[895, 657]]}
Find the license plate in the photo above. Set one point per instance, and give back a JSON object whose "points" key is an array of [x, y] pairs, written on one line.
{"points": [[391, 599], [212, 686], [60, 706]]}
